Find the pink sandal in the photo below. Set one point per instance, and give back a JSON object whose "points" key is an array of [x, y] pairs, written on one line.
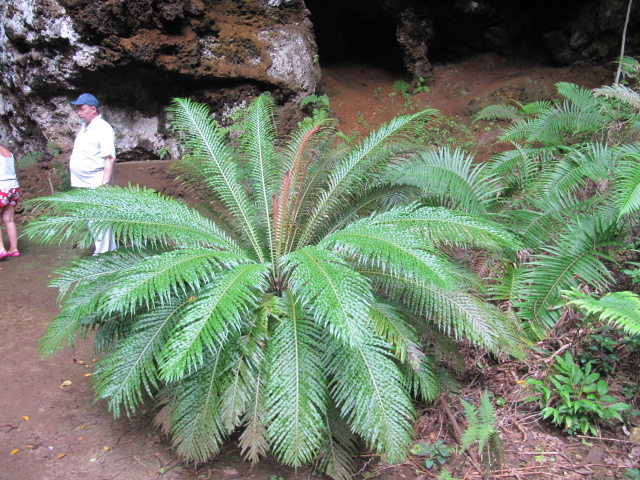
{"points": [[4, 254], [14, 254]]}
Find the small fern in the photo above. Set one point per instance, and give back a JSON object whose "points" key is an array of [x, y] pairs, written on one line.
{"points": [[482, 429], [620, 309], [445, 475]]}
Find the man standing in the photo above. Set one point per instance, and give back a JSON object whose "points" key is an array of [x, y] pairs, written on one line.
{"points": [[93, 158]]}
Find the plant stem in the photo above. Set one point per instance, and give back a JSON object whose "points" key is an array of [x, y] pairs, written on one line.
{"points": [[624, 39]]}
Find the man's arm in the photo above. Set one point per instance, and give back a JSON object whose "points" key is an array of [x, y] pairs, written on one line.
{"points": [[108, 169]]}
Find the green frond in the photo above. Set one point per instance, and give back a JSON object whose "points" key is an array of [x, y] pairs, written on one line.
{"points": [[139, 216], [368, 389], [258, 151], [102, 271], [575, 259], [629, 149], [338, 297], [620, 309], [622, 93], [451, 180], [581, 97], [83, 287], [504, 286], [595, 161], [481, 423], [253, 441], [195, 424], [361, 167], [249, 366], [516, 167], [391, 325], [63, 330], [215, 313], [305, 140], [371, 199], [535, 108], [546, 219], [498, 112], [456, 313], [515, 132], [155, 279], [203, 138], [423, 379], [628, 186], [440, 226], [566, 119], [297, 390], [130, 367], [337, 457], [391, 249], [465, 316]]}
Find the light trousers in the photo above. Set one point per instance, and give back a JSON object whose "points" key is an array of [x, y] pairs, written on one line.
{"points": [[103, 240]]}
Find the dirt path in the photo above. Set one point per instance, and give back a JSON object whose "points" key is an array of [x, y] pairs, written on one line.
{"points": [[49, 427]]}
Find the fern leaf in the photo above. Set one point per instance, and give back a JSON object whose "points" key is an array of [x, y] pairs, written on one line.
{"points": [[628, 186], [338, 297], [258, 148], [390, 325], [215, 313], [253, 440], [451, 179], [560, 268], [203, 137], [248, 367], [138, 216], [440, 226], [367, 388], [337, 458], [155, 279], [130, 368], [196, 427], [619, 92], [620, 309], [391, 249], [360, 167], [297, 391], [498, 112]]}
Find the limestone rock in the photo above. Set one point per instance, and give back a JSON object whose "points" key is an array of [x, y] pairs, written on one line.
{"points": [[136, 55]]}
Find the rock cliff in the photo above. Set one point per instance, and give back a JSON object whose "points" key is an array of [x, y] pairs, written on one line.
{"points": [[135, 55]]}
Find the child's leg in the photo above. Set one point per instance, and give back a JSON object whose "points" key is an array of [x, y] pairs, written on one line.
{"points": [[2, 249], [8, 215]]}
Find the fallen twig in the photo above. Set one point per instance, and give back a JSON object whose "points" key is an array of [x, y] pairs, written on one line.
{"points": [[607, 439]]}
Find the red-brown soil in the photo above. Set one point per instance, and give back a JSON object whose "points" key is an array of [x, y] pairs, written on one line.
{"points": [[50, 427]]}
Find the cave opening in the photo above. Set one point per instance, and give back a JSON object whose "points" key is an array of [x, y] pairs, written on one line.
{"points": [[352, 31], [355, 32]]}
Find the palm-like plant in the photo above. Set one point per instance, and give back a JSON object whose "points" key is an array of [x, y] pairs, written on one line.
{"points": [[298, 316]]}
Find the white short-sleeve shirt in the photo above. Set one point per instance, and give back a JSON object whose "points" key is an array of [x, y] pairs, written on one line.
{"points": [[8, 178], [93, 143]]}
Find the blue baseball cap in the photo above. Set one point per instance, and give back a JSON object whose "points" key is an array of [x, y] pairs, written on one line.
{"points": [[86, 99]]}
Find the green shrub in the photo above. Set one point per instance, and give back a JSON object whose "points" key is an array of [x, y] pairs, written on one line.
{"points": [[29, 159], [436, 453], [575, 398]]}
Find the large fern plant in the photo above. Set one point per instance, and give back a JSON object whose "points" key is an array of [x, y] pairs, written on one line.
{"points": [[570, 187], [297, 310]]}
